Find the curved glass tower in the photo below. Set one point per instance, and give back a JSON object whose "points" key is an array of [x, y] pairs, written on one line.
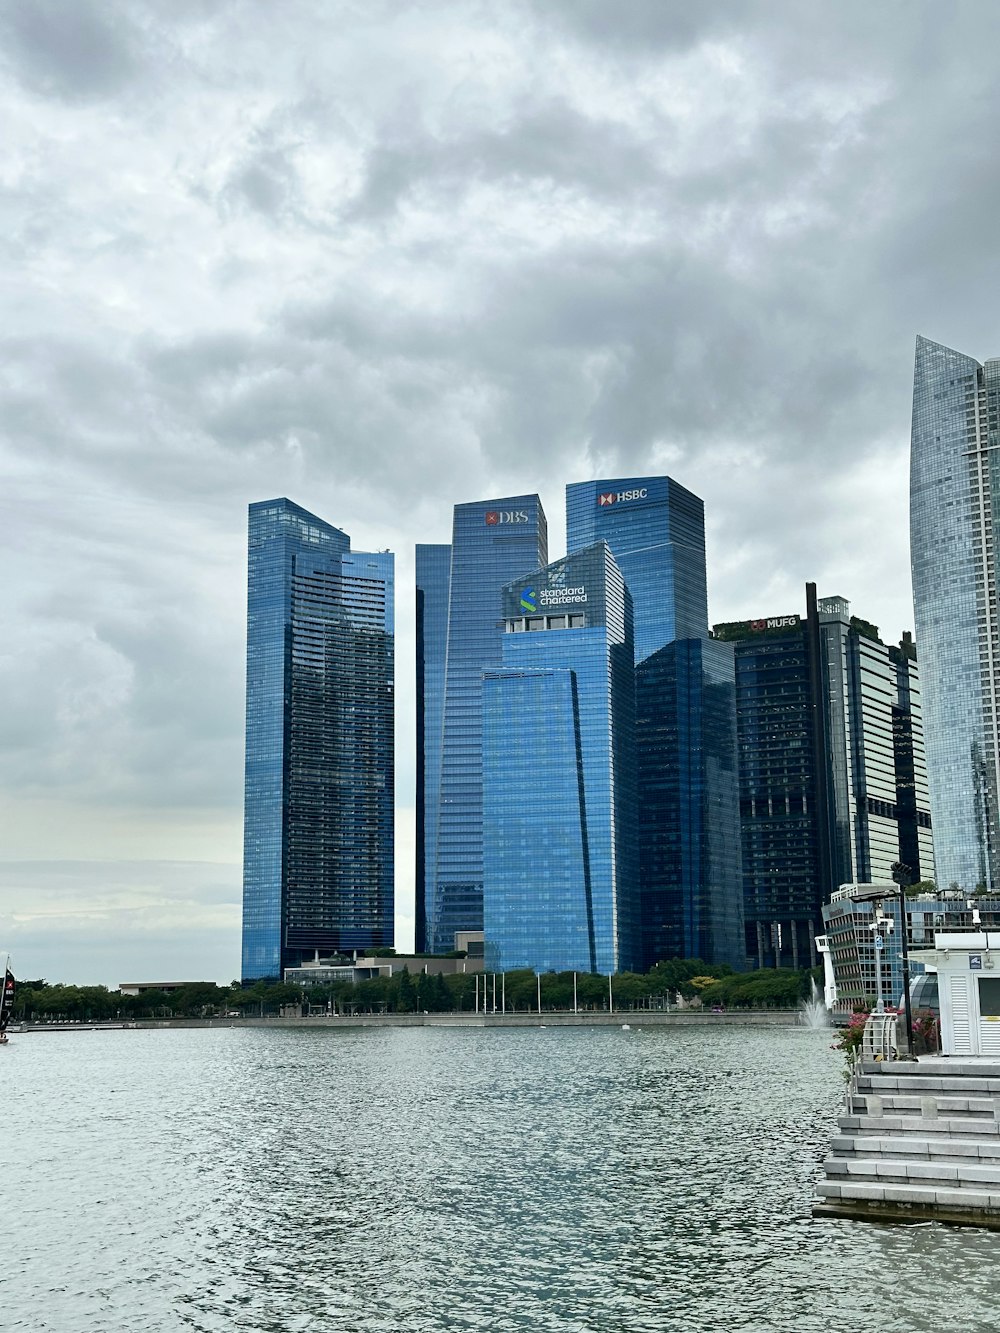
{"points": [[954, 494]]}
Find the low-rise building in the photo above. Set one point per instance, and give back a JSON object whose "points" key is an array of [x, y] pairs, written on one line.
{"points": [[168, 987], [851, 940], [326, 971]]}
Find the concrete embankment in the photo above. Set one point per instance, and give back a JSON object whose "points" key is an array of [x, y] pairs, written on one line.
{"points": [[919, 1142], [639, 1019]]}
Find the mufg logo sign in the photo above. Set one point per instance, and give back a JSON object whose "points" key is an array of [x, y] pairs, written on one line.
{"points": [[618, 497], [774, 622], [495, 518]]}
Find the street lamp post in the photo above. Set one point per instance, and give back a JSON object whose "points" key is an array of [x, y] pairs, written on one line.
{"points": [[903, 876], [878, 944]]}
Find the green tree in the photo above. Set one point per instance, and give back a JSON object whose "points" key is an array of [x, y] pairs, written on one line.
{"points": [[406, 995], [629, 989], [676, 974]]}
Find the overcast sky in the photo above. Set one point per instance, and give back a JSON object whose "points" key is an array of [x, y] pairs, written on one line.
{"points": [[385, 257]]}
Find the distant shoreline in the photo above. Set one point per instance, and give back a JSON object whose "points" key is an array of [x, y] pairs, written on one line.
{"points": [[638, 1019]]}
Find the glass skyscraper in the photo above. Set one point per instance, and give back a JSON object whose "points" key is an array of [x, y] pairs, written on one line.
{"points": [[493, 542], [688, 809], [689, 804], [559, 773], [318, 823], [833, 784], [433, 572], [656, 531], [954, 499]]}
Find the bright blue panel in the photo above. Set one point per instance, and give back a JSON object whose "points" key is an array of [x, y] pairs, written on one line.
{"points": [[560, 726]]}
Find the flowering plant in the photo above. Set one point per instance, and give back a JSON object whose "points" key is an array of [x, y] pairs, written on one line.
{"points": [[849, 1038]]}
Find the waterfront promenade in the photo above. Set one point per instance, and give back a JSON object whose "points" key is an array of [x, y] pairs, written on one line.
{"points": [[684, 1018]]}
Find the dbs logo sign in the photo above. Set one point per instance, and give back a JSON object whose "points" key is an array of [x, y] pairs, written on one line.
{"points": [[500, 517]]}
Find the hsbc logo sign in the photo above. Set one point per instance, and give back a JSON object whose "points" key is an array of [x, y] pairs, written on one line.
{"points": [[496, 518], [617, 497]]}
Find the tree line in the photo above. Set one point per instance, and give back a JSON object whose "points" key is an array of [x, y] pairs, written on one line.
{"points": [[406, 993]]}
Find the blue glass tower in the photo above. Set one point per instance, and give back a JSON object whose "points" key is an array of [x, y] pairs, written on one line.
{"points": [[689, 806], [433, 571], [493, 542], [954, 504], [656, 531], [318, 823], [561, 888]]}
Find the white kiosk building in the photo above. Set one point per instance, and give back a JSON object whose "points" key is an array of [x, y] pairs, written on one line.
{"points": [[968, 969]]}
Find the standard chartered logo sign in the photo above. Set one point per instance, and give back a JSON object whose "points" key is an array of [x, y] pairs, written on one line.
{"points": [[560, 596], [528, 600]]}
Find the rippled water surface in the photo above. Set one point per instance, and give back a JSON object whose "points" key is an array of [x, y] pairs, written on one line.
{"points": [[425, 1179]]}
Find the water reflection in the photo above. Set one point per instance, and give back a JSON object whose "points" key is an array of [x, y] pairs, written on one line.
{"points": [[448, 1179]]}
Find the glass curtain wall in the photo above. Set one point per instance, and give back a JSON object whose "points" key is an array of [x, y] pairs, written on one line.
{"points": [[318, 826]]}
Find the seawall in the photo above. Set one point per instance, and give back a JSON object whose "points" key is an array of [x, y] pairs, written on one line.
{"points": [[640, 1019]]}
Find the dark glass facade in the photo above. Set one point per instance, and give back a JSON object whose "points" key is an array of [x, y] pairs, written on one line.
{"points": [[954, 516], [656, 531], [318, 824], [916, 845], [560, 865], [779, 797], [493, 542], [689, 815], [433, 570], [832, 776]]}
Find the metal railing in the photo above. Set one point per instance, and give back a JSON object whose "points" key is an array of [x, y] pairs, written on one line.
{"points": [[879, 1040]]}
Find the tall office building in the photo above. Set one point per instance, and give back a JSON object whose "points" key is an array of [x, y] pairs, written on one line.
{"points": [[832, 773], [656, 531], [433, 573], [913, 805], [689, 804], [954, 495], [685, 720], [493, 542], [560, 881], [318, 823]]}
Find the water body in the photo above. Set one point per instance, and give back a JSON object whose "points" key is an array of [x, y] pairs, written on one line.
{"points": [[579, 1180]]}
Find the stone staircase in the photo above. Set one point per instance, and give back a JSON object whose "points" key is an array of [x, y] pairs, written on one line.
{"points": [[918, 1141]]}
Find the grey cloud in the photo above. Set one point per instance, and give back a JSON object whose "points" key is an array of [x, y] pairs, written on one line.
{"points": [[265, 182], [551, 142], [80, 51], [641, 25]]}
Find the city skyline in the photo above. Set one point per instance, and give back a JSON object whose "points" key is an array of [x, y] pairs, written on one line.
{"points": [[419, 256]]}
